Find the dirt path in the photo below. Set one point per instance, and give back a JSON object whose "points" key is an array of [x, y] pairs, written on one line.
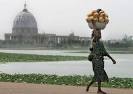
{"points": [[23, 88]]}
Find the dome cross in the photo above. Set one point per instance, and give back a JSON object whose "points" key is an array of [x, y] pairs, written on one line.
{"points": [[25, 7]]}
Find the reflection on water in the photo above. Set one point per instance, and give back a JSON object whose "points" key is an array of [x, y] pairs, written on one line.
{"points": [[123, 68]]}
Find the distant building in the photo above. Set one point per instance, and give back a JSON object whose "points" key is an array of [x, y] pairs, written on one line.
{"points": [[25, 32], [24, 28]]}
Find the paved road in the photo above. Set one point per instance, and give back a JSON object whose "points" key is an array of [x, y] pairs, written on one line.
{"points": [[23, 88]]}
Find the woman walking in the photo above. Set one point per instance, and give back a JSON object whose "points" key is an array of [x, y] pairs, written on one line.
{"points": [[97, 57]]}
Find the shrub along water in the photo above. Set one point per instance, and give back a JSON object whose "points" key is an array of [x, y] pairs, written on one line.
{"points": [[75, 80], [12, 57]]}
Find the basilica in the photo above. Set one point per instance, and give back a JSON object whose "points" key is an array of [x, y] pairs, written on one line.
{"points": [[25, 33]]}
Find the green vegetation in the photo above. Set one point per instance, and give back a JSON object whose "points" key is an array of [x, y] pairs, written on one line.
{"points": [[64, 80], [12, 57], [116, 51]]}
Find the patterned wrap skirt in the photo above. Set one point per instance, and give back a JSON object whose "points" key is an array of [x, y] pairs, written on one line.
{"points": [[99, 72]]}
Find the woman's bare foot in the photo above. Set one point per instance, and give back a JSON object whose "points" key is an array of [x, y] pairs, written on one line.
{"points": [[87, 89], [101, 92]]}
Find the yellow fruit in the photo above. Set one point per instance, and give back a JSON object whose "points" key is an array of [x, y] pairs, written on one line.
{"points": [[94, 11], [101, 11], [101, 19], [95, 19], [102, 14], [91, 18], [95, 14]]}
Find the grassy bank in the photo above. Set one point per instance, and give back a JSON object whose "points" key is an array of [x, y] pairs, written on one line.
{"points": [[12, 57], [64, 80], [109, 51]]}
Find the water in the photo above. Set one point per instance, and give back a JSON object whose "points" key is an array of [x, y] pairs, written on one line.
{"points": [[123, 68]]}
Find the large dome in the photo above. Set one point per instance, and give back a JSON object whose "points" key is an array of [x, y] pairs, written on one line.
{"points": [[24, 22]]}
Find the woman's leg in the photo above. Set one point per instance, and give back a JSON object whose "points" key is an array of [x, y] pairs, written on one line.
{"points": [[99, 89], [88, 86], [99, 86]]}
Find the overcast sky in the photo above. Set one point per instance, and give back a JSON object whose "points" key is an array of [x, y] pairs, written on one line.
{"points": [[62, 17]]}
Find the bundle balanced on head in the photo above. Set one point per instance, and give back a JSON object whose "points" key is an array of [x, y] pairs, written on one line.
{"points": [[97, 20]]}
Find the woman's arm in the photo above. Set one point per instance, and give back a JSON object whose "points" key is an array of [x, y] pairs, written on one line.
{"points": [[107, 54], [114, 62]]}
